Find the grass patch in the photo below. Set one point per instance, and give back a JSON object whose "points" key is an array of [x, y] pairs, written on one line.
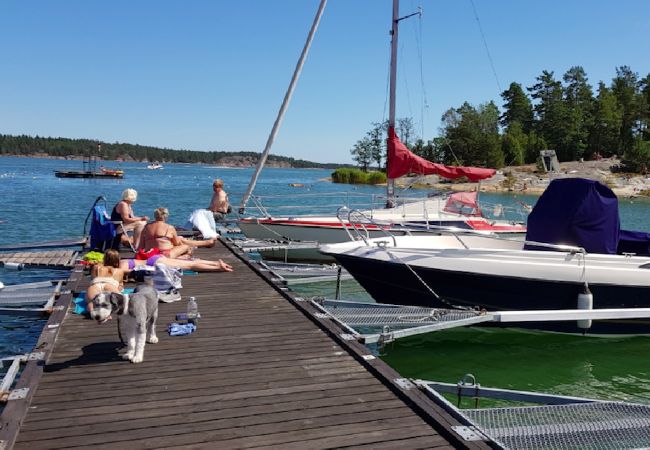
{"points": [[358, 176]]}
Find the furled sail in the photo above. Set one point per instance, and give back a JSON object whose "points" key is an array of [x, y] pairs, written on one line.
{"points": [[402, 161]]}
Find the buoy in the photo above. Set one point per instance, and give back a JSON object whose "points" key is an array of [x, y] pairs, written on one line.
{"points": [[585, 301]]}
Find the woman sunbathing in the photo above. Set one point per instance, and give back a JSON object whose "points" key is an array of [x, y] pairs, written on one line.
{"points": [[107, 277], [162, 236], [198, 265]]}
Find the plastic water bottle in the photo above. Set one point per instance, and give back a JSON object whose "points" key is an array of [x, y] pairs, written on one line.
{"points": [[192, 310]]}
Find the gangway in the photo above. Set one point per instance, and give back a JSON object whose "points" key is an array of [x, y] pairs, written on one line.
{"points": [[383, 323], [546, 421], [29, 298], [304, 273]]}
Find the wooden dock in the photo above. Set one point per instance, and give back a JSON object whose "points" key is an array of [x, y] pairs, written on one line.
{"points": [[54, 259], [261, 371]]}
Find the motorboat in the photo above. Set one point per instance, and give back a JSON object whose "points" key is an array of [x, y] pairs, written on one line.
{"points": [[575, 256], [155, 166]]}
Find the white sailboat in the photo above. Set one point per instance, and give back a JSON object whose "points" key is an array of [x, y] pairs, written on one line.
{"points": [[420, 213]]}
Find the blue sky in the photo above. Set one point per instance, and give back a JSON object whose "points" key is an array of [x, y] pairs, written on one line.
{"points": [[210, 75]]}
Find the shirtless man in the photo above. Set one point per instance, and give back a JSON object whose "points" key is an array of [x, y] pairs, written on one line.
{"points": [[219, 204]]}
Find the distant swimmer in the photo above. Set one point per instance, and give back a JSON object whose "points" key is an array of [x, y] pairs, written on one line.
{"points": [[296, 185]]}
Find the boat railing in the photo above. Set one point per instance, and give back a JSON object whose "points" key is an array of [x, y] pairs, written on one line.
{"points": [[417, 208], [457, 233], [356, 222]]}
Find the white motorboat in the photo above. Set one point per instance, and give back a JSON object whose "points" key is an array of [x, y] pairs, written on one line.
{"points": [[581, 270], [155, 166]]}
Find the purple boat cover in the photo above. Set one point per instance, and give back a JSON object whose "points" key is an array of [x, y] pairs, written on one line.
{"points": [[576, 211]]}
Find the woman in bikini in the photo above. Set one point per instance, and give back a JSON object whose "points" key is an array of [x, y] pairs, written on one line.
{"points": [[162, 236], [107, 277], [198, 265]]}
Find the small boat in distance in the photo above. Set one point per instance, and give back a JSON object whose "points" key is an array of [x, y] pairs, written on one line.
{"points": [[155, 166]]}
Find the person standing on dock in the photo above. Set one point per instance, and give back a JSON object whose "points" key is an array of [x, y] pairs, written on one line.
{"points": [[123, 212], [219, 204]]}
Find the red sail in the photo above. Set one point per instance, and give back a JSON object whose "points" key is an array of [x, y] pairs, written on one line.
{"points": [[401, 161]]}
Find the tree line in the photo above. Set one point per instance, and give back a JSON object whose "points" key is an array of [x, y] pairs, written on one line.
{"points": [[560, 114], [63, 147]]}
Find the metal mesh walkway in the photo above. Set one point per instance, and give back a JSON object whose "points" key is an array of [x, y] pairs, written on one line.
{"points": [[394, 316], [599, 425]]}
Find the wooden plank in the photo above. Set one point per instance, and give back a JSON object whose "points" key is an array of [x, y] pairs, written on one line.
{"points": [[259, 371]]}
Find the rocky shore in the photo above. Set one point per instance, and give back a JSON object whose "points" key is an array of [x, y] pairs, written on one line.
{"points": [[528, 180]]}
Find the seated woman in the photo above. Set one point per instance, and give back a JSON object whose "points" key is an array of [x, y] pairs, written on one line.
{"points": [[107, 277], [198, 265], [123, 212], [161, 235]]}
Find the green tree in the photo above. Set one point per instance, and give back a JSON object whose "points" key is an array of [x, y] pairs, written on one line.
{"points": [[517, 108], [625, 87], [551, 113], [377, 139], [637, 158], [606, 124], [362, 153], [405, 130], [473, 135], [644, 109], [579, 99], [514, 145]]}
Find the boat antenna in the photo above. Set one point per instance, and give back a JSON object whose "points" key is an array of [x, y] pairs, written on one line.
{"points": [[390, 185], [283, 108]]}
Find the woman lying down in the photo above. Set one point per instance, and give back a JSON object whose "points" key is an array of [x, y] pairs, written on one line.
{"points": [[109, 275]]}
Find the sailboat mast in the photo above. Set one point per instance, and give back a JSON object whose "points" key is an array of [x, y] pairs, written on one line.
{"points": [[390, 185], [283, 108]]}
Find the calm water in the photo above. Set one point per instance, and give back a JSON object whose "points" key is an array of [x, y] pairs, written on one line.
{"points": [[37, 206]]}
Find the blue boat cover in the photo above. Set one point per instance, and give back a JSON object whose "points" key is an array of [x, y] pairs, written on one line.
{"points": [[576, 211], [637, 242]]}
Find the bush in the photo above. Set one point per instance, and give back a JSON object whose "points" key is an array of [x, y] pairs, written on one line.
{"points": [[376, 178], [357, 176]]}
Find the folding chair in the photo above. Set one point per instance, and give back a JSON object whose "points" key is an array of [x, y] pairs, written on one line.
{"points": [[104, 232]]}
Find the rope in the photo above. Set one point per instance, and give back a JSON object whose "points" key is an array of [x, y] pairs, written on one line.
{"points": [[429, 288], [487, 49]]}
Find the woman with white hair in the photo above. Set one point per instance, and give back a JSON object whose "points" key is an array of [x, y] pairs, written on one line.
{"points": [[123, 212]]}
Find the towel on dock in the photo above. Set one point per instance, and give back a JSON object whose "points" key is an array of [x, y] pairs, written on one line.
{"points": [[80, 306], [177, 329]]}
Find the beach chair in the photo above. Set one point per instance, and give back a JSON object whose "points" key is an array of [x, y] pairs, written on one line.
{"points": [[104, 232]]}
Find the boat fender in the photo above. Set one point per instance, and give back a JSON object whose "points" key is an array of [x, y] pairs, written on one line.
{"points": [[585, 301], [2, 285]]}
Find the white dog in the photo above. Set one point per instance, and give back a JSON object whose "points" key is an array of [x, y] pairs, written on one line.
{"points": [[137, 314]]}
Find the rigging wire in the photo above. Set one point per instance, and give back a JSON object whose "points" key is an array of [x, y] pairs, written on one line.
{"points": [[487, 49], [424, 103]]}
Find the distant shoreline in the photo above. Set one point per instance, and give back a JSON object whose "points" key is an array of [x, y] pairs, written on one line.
{"points": [[233, 165]]}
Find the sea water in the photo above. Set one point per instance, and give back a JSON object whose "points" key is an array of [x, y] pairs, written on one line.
{"points": [[36, 206]]}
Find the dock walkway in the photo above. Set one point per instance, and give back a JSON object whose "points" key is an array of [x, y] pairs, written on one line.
{"points": [[261, 371]]}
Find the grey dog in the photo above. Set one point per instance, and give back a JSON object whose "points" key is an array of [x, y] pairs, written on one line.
{"points": [[137, 314]]}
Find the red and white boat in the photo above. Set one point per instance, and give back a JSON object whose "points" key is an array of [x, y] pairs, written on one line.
{"points": [[458, 210]]}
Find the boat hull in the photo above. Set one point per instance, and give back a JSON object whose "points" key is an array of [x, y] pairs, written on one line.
{"points": [[61, 174], [395, 283]]}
